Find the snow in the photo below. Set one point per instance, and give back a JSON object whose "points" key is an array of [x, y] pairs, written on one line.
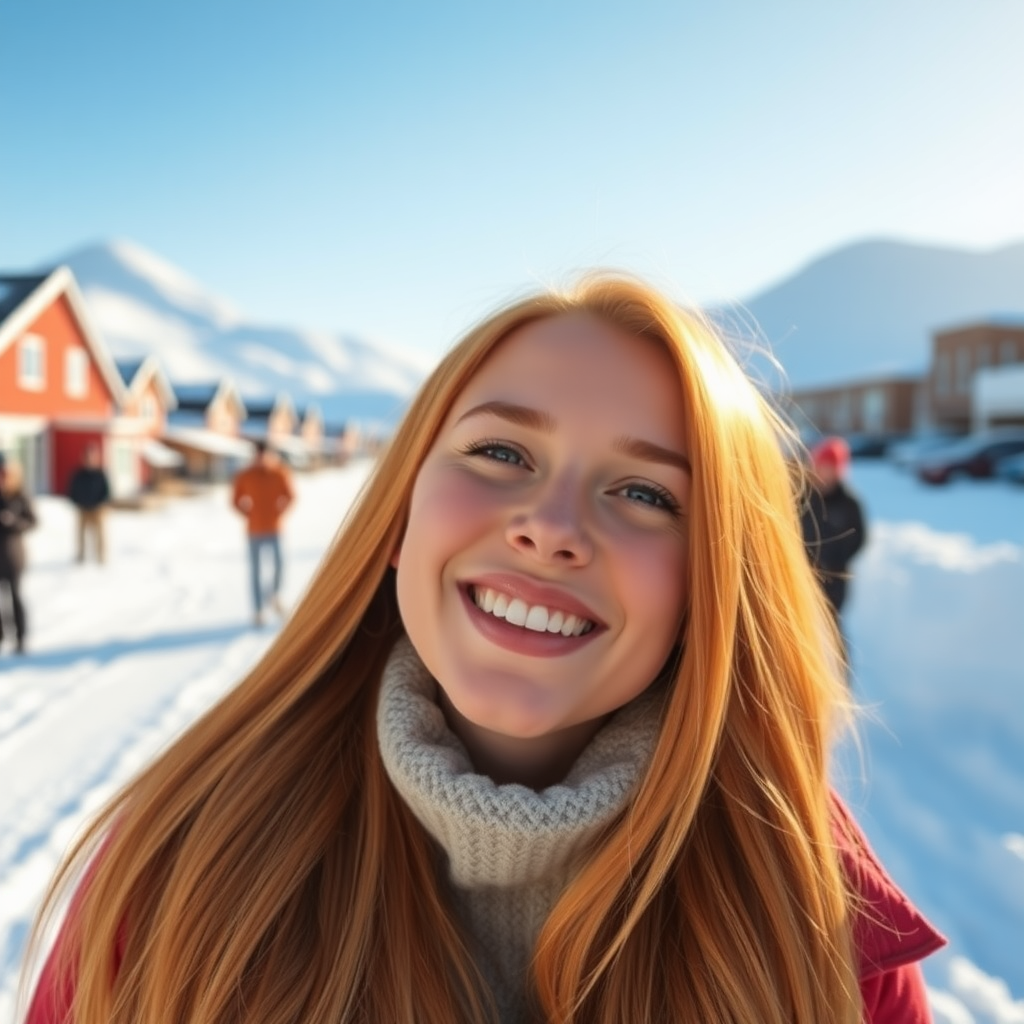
{"points": [[129, 324], [124, 656], [178, 287], [143, 304]]}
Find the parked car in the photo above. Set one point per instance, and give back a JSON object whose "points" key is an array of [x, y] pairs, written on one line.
{"points": [[870, 446], [973, 456], [1011, 467], [906, 454]]}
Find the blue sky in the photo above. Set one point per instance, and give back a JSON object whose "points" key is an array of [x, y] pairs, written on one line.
{"points": [[396, 169]]}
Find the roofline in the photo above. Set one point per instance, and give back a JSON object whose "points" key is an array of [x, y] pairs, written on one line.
{"points": [[226, 388], [283, 400], [997, 322], [858, 382], [150, 367], [62, 282]]}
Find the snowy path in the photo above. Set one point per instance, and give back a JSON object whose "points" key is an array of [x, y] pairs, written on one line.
{"points": [[124, 656]]}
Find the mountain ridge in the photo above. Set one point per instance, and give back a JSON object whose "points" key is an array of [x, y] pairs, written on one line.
{"points": [[864, 309], [144, 304], [870, 308]]}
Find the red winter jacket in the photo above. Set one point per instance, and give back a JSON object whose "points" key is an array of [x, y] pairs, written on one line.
{"points": [[890, 934]]}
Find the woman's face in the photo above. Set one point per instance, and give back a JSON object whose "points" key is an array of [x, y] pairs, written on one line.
{"points": [[543, 572]]}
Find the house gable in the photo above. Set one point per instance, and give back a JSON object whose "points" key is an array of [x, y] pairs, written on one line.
{"points": [[149, 395], [217, 407], [53, 362]]}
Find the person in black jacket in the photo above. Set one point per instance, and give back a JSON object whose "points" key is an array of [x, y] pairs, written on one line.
{"points": [[832, 521], [16, 516], [89, 491]]}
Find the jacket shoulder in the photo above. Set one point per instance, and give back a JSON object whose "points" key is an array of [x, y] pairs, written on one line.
{"points": [[889, 931]]}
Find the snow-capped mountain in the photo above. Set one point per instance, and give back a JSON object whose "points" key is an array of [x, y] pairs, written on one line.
{"points": [[864, 309], [872, 307], [143, 304]]}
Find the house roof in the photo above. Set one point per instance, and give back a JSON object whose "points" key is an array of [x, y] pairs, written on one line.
{"points": [[14, 289], [311, 414], [263, 408], [23, 298], [198, 397], [137, 373], [1013, 321], [207, 441]]}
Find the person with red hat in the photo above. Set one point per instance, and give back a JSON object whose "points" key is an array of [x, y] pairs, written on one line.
{"points": [[832, 520]]}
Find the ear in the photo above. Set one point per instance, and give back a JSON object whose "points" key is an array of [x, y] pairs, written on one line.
{"points": [[395, 554]]}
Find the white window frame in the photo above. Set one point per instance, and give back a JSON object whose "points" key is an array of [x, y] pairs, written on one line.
{"points": [[148, 407], [76, 373], [32, 363], [873, 410]]}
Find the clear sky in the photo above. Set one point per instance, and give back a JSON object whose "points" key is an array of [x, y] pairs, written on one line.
{"points": [[396, 168]]}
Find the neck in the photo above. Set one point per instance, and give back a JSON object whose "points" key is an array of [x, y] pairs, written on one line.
{"points": [[535, 762]]}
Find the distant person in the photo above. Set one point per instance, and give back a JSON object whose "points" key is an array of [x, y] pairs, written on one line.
{"points": [[89, 492], [832, 521], [262, 493], [16, 516]]}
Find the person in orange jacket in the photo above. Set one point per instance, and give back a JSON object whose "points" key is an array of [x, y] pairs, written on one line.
{"points": [[262, 493]]}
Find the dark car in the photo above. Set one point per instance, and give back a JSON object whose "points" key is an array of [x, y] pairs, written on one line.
{"points": [[973, 456], [1011, 467]]}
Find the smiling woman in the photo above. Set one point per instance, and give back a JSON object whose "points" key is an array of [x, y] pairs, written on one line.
{"points": [[546, 739], [542, 573]]}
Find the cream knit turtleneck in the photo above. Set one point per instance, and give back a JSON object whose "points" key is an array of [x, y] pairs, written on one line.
{"points": [[510, 850]]}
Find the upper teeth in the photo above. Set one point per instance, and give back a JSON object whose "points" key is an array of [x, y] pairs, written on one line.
{"points": [[536, 617]]}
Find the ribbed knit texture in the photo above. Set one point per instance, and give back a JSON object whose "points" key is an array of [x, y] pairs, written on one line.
{"points": [[510, 850]]}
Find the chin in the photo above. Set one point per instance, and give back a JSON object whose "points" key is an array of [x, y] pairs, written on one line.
{"points": [[513, 723]]}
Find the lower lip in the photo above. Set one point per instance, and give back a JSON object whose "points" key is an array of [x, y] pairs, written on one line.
{"points": [[520, 640]]}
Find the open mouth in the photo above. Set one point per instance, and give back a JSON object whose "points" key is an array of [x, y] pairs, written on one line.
{"points": [[536, 617]]}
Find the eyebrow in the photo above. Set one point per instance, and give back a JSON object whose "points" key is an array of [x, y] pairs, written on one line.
{"points": [[535, 419]]}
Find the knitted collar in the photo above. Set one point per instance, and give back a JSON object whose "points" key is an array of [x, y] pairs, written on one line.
{"points": [[502, 835]]}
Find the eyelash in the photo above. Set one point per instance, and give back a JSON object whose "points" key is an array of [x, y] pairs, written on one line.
{"points": [[668, 503], [486, 447]]}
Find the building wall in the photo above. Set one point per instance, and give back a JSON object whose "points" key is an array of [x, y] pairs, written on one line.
{"points": [[281, 423], [222, 418], [60, 333], [147, 406], [68, 450], [998, 397], [957, 356], [884, 406]]}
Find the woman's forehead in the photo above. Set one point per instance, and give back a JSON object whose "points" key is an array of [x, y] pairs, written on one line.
{"points": [[575, 361]]}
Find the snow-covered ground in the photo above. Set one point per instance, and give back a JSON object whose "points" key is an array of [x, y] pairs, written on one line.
{"points": [[124, 656]]}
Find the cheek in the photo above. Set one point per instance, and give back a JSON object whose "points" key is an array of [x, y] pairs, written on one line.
{"points": [[656, 587], [448, 512]]}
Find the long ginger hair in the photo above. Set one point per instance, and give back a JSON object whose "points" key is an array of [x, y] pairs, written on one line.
{"points": [[265, 870]]}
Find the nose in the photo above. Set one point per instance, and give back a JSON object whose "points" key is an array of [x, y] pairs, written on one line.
{"points": [[552, 527]]}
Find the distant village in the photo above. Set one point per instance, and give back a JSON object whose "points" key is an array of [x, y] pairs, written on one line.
{"points": [[61, 390], [974, 382]]}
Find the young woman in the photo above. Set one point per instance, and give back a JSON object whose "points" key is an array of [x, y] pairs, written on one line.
{"points": [[546, 740]]}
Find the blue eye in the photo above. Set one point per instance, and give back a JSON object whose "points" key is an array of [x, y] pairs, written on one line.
{"points": [[651, 496], [496, 451]]}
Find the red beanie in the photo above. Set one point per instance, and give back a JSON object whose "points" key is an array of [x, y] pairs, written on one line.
{"points": [[833, 451]]}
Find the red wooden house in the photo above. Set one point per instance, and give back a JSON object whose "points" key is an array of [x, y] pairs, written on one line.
{"points": [[59, 387]]}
